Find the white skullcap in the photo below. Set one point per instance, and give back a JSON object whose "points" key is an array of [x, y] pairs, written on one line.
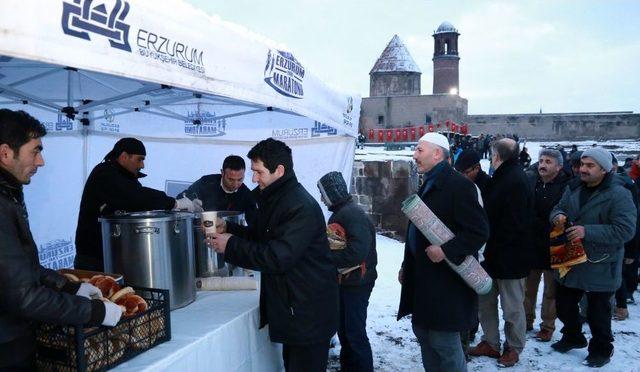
{"points": [[436, 139]]}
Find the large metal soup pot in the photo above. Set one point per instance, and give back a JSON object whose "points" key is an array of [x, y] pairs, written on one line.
{"points": [[152, 249]]}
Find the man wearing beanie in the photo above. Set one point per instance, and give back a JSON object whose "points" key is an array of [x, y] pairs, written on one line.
{"points": [[604, 218], [355, 285], [468, 163], [441, 303], [113, 186]]}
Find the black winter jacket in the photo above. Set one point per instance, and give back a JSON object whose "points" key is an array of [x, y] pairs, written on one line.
{"points": [[214, 198], [631, 247], [361, 243], [110, 188], [288, 245], [508, 201], [545, 197], [28, 291], [436, 296]]}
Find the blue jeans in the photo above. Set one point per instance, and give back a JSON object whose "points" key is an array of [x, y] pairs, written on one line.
{"points": [[355, 351], [441, 351]]}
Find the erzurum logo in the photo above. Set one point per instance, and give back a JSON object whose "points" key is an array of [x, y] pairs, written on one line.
{"points": [[284, 74], [81, 18]]}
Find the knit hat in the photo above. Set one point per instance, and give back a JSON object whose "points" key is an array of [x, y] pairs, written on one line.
{"points": [[436, 139], [333, 188], [600, 156], [131, 146], [467, 159]]}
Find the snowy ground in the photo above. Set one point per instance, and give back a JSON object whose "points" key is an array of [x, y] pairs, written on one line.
{"points": [[395, 348], [394, 344]]}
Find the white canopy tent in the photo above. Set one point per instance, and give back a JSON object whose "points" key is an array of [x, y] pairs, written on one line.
{"points": [[195, 89]]}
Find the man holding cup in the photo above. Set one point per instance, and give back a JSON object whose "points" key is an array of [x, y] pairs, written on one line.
{"points": [[288, 245]]}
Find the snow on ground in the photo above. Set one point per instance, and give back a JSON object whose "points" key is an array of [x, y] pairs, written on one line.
{"points": [[395, 348], [394, 344]]}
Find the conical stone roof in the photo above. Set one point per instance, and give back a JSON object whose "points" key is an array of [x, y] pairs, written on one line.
{"points": [[395, 58]]}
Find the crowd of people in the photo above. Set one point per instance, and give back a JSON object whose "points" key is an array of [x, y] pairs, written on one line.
{"points": [[508, 224], [310, 289]]}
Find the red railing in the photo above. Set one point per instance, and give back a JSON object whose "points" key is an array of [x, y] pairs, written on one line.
{"points": [[405, 134]]}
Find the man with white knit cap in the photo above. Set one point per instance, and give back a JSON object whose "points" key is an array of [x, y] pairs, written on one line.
{"points": [[604, 218], [440, 302]]}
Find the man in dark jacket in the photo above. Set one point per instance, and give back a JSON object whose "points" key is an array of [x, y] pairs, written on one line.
{"points": [[288, 245], [508, 203], [355, 284], [548, 184], [525, 158], [629, 264], [28, 291], [468, 164], [113, 186], [441, 303], [604, 218], [225, 191]]}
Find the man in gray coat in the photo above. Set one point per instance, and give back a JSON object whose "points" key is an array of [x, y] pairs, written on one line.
{"points": [[604, 217]]}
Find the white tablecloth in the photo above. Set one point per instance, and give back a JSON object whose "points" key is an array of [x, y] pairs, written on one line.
{"points": [[217, 332]]}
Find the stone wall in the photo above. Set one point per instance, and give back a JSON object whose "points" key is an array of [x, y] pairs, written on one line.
{"points": [[560, 126], [379, 187], [410, 111], [394, 84]]}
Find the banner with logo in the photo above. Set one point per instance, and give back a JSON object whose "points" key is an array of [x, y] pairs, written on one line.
{"points": [[166, 43], [192, 87]]}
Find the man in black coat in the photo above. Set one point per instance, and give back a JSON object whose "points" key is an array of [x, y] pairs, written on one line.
{"points": [[225, 191], [113, 186], [28, 291], [356, 264], [441, 303], [548, 184], [288, 245], [508, 203], [468, 163], [624, 294]]}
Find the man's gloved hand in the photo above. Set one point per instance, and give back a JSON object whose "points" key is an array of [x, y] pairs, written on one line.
{"points": [[197, 205], [89, 291], [112, 314], [184, 204]]}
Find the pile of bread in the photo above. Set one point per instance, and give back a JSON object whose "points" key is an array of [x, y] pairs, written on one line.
{"points": [[139, 333], [130, 303]]}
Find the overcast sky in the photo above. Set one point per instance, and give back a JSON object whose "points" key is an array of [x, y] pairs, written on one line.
{"points": [[516, 56]]}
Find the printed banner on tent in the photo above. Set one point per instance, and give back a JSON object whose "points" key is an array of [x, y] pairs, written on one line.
{"points": [[146, 40]]}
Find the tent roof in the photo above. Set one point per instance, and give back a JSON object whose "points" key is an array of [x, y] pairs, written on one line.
{"points": [[74, 56]]}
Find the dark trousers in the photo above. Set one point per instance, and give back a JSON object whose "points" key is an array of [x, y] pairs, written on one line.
{"points": [[306, 358], [18, 355], [598, 317], [355, 351], [628, 284]]}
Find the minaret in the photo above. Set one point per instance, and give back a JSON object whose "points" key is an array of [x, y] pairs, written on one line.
{"points": [[394, 73], [445, 60]]}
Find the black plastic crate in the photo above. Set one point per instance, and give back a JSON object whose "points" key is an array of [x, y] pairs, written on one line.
{"points": [[74, 348]]}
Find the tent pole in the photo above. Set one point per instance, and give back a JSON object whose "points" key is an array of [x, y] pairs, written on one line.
{"points": [[69, 88], [85, 153]]}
